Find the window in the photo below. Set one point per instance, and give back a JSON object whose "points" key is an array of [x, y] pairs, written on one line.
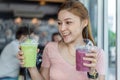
{"points": [[112, 38], [103, 21]]}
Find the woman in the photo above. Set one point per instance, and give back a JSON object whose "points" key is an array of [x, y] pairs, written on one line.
{"points": [[59, 58]]}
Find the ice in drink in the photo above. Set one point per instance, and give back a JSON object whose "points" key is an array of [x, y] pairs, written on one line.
{"points": [[29, 48]]}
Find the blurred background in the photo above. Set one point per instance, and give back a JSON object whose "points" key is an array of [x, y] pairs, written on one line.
{"points": [[42, 15]]}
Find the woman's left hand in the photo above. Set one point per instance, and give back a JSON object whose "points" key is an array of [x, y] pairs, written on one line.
{"points": [[92, 57]]}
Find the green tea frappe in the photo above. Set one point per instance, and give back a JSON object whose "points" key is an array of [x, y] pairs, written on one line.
{"points": [[29, 48]]}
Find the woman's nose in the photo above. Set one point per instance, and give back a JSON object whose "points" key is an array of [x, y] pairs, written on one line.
{"points": [[63, 27]]}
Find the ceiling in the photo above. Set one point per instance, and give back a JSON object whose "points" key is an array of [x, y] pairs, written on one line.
{"points": [[29, 8]]}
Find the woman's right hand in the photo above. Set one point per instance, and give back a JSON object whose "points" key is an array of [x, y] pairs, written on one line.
{"points": [[21, 58]]}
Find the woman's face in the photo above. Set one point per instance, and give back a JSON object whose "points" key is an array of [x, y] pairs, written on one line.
{"points": [[70, 26]]}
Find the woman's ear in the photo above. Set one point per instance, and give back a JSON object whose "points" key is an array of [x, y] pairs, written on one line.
{"points": [[85, 23]]}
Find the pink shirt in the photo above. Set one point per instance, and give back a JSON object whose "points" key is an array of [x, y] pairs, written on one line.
{"points": [[62, 70]]}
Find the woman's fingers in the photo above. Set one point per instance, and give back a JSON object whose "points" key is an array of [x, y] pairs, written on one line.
{"points": [[22, 63], [91, 65], [92, 58], [20, 55], [20, 47], [92, 61], [91, 55], [21, 58]]}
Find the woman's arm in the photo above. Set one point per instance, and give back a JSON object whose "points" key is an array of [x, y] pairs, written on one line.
{"points": [[42, 75], [35, 75], [45, 73], [101, 77]]}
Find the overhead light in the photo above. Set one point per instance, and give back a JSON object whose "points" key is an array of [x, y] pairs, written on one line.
{"points": [[38, 14], [52, 1], [42, 2]]}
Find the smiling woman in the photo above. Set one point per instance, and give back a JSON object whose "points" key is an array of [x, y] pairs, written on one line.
{"points": [[59, 58]]}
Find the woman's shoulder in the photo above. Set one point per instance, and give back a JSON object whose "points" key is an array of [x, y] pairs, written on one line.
{"points": [[51, 44], [51, 48]]}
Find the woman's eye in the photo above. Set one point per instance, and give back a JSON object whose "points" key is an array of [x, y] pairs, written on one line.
{"points": [[68, 22], [59, 23]]}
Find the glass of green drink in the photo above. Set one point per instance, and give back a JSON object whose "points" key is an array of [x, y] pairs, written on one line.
{"points": [[29, 48]]}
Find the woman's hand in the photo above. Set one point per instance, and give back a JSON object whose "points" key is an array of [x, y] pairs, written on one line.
{"points": [[92, 57], [21, 58]]}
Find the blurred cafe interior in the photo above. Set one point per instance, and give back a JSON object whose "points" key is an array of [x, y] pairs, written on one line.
{"points": [[42, 15]]}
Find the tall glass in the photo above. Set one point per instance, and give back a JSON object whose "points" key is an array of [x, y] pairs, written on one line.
{"points": [[80, 53], [29, 48]]}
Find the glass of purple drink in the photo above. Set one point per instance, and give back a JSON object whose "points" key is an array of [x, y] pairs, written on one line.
{"points": [[80, 53]]}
